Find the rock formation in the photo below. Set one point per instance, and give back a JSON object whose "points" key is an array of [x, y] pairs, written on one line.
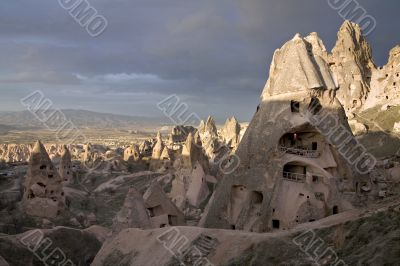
{"points": [[161, 209], [88, 155], [198, 190], [65, 168], [352, 64], [158, 147], [43, 194], [193, 153], [132, 153], [290, 168], [58, 246], [230, 133], [133, 213], [11, 153], [179, 134], [146, 148], [209, 137], [385, 85], [166, 154], [220, 247]]}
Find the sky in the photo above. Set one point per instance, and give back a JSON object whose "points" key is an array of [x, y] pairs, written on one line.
{"points": [[214, 55]]}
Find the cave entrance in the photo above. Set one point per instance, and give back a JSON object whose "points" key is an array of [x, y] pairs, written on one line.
{"points": [[275, 224]]}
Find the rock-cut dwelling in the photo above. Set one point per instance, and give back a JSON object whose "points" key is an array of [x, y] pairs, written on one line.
{"points": [[290, 172]]}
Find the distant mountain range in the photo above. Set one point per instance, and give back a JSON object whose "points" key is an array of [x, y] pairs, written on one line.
{"points": [[80, 118]]}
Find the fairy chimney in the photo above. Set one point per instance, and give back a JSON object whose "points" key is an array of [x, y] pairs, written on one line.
{"points": [[133, 213], [65, 169], [43, 193]]}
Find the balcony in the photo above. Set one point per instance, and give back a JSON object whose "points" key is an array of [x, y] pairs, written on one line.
{"points": [[294, 177], [300, 152]]}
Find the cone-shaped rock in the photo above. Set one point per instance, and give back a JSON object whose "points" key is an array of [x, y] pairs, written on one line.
{"points": [[351, 62], [66, 165], [290, 169], [163, 211], [43, 194], [133, 213]]}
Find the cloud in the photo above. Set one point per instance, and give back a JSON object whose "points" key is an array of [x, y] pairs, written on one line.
{"points": [[120, 78]]}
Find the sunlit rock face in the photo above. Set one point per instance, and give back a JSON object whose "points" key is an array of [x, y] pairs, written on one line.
{"points": [[290, 172], [230, 133], [43, 189], [193, 153], [11, 153], [385, 89], [65, 169], [352, 64], [132, 153], [158, 147]]}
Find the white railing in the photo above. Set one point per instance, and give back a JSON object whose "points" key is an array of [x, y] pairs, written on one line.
{"points": [[294, 176], [300, 152]]}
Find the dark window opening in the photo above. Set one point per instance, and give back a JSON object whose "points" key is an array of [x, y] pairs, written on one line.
{"points": [[172, 219], [257, 197], [315, 179], [335, 210], [297, 169], [43, 167], [295, 107], [275, 224], [314, 146], [315, 106], [387, 97], [50, 176], [233, 227], [151, 211], [311, 220], [163, 225]]}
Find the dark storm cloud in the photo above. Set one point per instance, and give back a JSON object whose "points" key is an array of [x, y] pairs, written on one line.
{"points": [[215, 55]]}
